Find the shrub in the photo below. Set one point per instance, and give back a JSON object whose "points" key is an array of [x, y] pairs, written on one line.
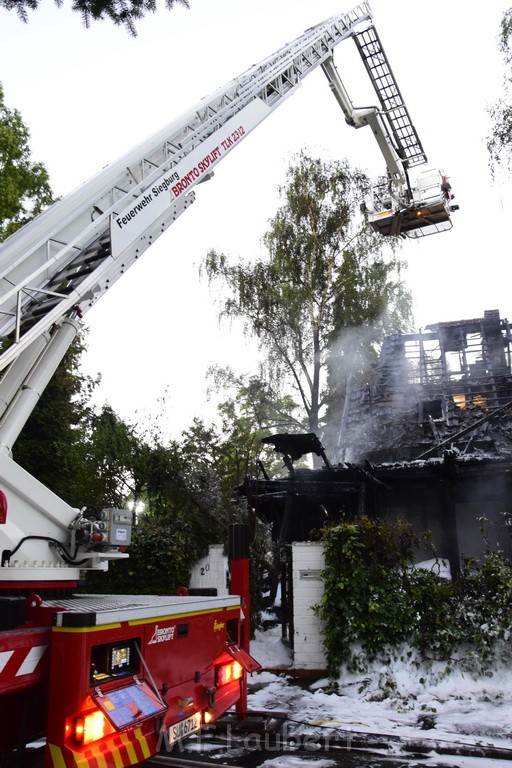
{"points": [[374, 598], [365, 597]]}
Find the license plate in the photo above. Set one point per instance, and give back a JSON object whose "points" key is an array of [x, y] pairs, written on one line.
{"points": [[184, 728]]}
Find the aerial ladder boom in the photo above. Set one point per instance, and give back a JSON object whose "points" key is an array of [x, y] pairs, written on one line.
{"points": [[67, 257], [55, 268], [398, 207]]}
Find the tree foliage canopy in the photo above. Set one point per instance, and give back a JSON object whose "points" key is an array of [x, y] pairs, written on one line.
{"points": [[121, 12], [325, 272], [499, 142], [24, 185], [252, 410], [172, 485]]}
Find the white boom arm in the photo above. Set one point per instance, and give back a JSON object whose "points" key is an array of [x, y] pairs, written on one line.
{"points": [[357, 118], [398, 208], [57, 266]]}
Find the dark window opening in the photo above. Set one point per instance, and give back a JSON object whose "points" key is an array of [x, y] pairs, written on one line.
{"points": [[232, 632], [431, 409]]}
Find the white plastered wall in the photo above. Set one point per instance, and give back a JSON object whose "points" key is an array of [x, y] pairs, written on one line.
{"points": [[308, 563], [211, 571]]}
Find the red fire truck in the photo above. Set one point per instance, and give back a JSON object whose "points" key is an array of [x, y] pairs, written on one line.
{"points": [[108, 679]]}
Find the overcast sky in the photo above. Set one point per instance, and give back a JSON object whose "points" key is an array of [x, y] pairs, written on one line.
{"points": [[89, 95]]}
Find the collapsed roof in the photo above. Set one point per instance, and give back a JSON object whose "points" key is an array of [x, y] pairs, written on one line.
{"points": [[449, 386]]}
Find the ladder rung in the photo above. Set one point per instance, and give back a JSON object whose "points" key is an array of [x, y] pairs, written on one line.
{"points": [[386, 88]]}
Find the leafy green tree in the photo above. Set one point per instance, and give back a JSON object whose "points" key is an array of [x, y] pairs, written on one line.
{"points": [[179, 502], [231, 450], [121, 12], [252, 411], [24, 185], [499, 142], [174, 530], [111, 457], [325, 272]]}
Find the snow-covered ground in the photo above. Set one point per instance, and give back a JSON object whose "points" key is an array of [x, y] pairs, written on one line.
{"points": [[442, 709]]}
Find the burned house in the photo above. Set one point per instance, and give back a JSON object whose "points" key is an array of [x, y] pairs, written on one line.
{"points": [[446, 388], [429, 441]]}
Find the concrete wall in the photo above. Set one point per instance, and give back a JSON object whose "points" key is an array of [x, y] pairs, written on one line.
{"points": [[308, 587], [212, 571]]}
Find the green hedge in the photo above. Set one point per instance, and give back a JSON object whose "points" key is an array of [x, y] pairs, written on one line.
{"points": [[374, 598]]}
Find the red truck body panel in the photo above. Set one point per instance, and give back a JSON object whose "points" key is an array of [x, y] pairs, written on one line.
{"points": [[118, 678]]}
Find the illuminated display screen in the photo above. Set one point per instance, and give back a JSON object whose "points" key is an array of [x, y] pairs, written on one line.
{"points": [[130, 705], [120, 658]]}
